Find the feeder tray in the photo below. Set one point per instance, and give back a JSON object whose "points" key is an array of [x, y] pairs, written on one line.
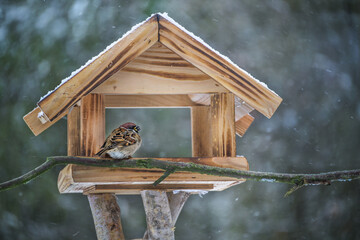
{"points": [[87, 180]]}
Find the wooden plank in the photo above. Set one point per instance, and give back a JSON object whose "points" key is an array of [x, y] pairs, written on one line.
{"points": [[201, 98], [137, 188], [201, 131], [65, 181], [92, 117], [34, 123], [108, 63], [76, 179], [159, 71], [158, 215], [148, 101], [223, 125], [243, 124], [73, 132], [227, 74]]}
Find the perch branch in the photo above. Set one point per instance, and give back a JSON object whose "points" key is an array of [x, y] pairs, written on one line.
{"points": [[297, 180]]}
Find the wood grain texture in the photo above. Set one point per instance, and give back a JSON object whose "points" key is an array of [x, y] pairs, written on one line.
{"points": [[111, 61], [242, 118], [31, 119], [201, 98], [241, 107], [133, 189], [65, 180], [223, 125], [82, 179], [92, 117], [201, 131], [159, 71], [158, 215], [243, 124], [148, 101], [232, 78], [73, 132]]}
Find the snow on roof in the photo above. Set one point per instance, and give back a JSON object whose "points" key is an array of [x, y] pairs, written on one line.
{"points": [[97, 56], [166, 16]]}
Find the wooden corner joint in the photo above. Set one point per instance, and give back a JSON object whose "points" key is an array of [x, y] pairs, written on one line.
{"points": [[200, 98], [43, 118]]}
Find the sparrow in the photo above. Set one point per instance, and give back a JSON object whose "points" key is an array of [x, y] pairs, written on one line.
{"points": [[122, 142]]}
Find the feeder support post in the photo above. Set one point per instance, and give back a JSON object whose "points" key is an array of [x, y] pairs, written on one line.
{"points": [[86, 133]]}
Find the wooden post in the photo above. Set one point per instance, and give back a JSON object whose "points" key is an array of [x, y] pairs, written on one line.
{"points": [[175, 201], [201, 131], [223, 125], [104, 207], [158, 215], [92, 124], [73, 132], [106, 214]]}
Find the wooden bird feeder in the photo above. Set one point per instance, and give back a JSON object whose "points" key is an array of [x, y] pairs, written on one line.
{"points": [[156, 64]]}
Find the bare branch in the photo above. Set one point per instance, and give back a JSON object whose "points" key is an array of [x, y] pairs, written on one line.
{"points": [[165, 175], [297, 180]]}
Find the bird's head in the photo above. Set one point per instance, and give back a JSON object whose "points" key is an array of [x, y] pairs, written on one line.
{"points": [[131, 126]]}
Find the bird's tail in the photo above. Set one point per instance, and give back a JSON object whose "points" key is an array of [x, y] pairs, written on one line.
{"points": [[101, 152]]}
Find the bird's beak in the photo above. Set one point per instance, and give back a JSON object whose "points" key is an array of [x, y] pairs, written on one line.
{"points": [[137, 128]]}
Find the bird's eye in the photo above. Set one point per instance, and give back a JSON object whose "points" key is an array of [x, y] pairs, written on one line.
{"points": [[136, 128]]}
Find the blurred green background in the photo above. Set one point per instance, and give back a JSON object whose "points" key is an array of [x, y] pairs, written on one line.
{"points": [[306, 51]]}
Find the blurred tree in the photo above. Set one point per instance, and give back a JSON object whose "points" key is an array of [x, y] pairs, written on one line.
{"points": [[307, 51]]}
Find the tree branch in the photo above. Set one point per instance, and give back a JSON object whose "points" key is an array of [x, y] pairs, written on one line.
{"points": [[297, 180], [165, 175]]}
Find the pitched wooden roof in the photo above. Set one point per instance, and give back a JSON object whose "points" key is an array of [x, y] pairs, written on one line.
{"points": [[157, 28]]}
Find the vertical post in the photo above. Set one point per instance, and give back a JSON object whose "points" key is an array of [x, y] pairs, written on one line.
{"points": [[201, 131], [92, 123], [223, 125], [104, 207], [158, 215], [176, 203], [73, 132]]}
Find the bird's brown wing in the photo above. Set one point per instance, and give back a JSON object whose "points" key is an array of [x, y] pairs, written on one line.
{"points": [[120, 137]]}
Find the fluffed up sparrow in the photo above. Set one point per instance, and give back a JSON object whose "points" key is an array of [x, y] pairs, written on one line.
{"points": [[123, 142]]}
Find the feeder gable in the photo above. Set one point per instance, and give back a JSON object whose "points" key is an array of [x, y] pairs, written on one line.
{"points": [[157, 56], [219, 67], [108, 63], [159, 70]]}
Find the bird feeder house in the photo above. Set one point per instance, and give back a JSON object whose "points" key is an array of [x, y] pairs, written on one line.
{"points": [[156, 64]]}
